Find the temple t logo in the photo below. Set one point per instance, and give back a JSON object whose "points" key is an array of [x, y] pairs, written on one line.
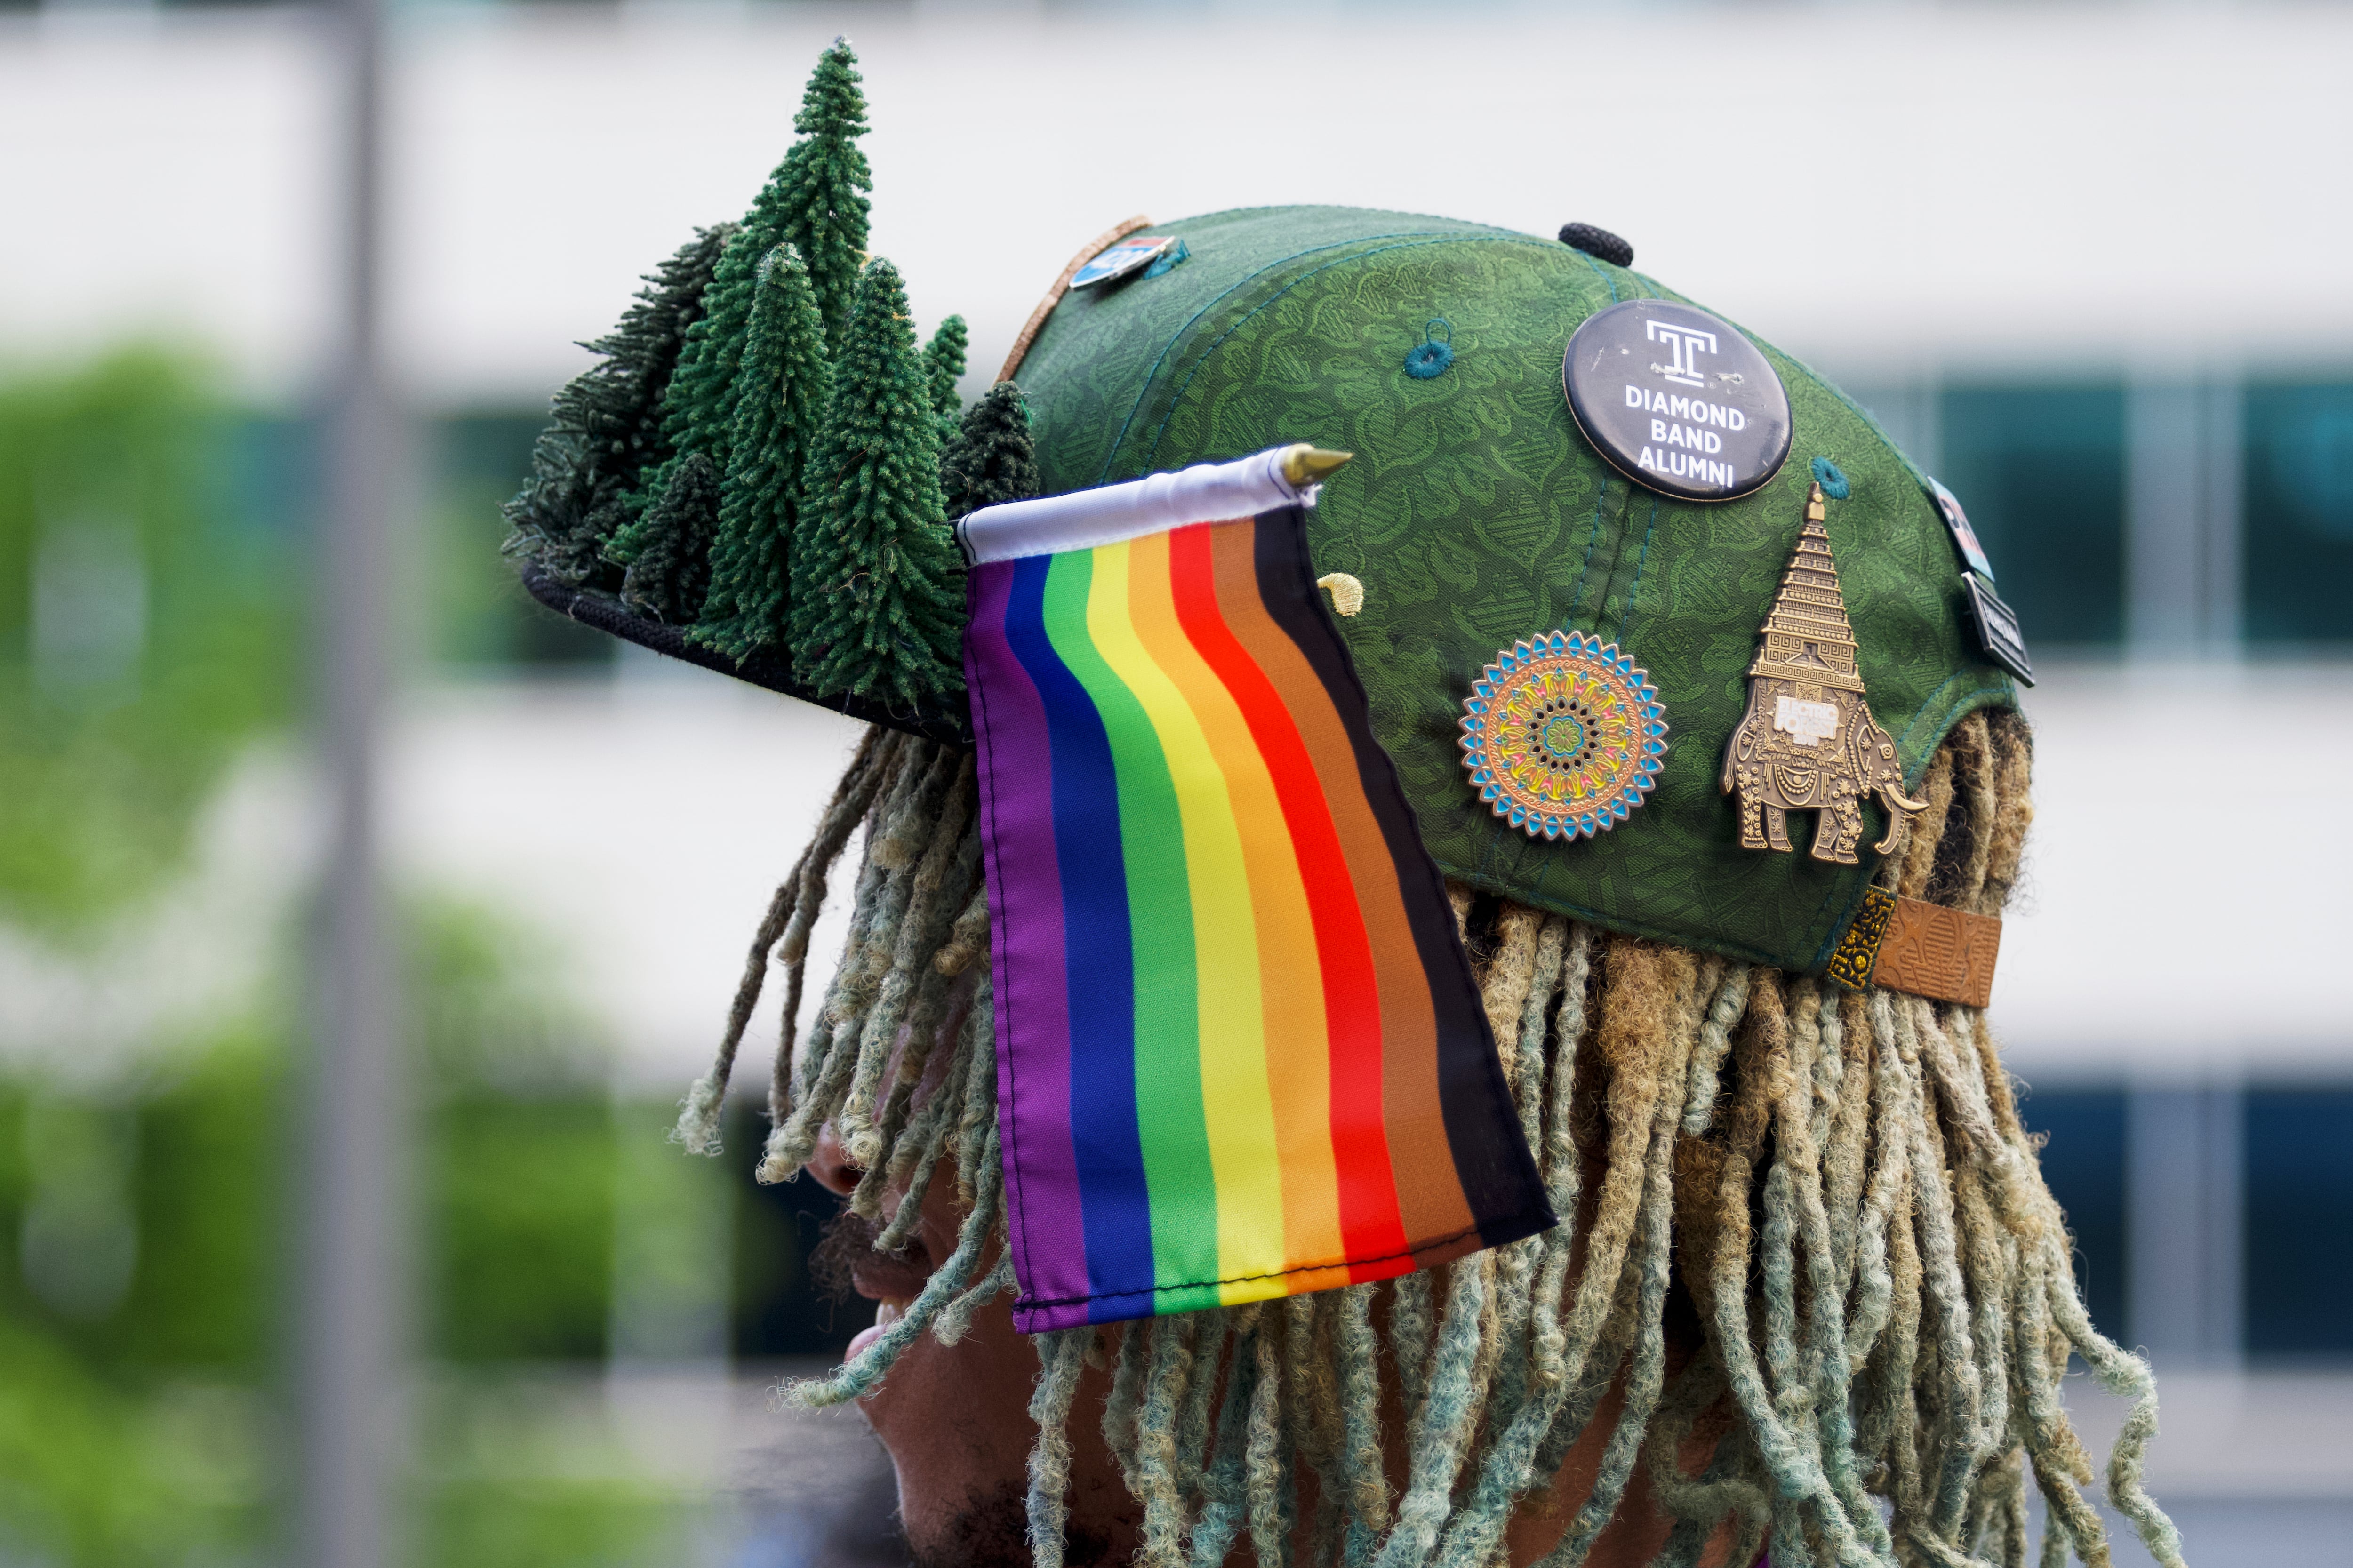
{"points": [[1685, 345]]}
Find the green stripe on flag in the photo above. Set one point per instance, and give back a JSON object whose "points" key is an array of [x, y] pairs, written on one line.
{"points": [[1175, 1132]]}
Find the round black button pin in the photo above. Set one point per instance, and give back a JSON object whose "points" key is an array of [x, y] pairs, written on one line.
{"points": [[1677, 400]]}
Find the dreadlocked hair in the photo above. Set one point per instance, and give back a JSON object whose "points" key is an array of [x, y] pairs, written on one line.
{"points": [[1808, 1274]]}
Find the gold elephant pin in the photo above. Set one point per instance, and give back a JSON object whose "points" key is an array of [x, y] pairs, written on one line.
{"points": [[1807, 741]]}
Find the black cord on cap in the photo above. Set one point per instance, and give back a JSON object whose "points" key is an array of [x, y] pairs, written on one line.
{"points": [[1597, 242]]}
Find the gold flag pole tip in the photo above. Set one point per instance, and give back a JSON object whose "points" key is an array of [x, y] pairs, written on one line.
{"points": [[1306, 465]]}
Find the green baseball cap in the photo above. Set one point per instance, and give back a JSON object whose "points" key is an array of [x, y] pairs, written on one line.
{"points": [[1478, 515]]}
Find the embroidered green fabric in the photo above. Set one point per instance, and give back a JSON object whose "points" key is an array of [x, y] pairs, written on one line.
{"points": [[1476, 514]]}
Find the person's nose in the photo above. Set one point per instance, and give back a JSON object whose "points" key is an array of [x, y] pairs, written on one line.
{"points": [[831, 1165]]}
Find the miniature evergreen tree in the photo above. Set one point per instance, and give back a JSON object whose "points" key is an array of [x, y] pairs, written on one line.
{"points": [[991, 458], [944, 363], [813, 201], [876, 586], [670, 571], [605, 427], [779, 398], [825, 179]]}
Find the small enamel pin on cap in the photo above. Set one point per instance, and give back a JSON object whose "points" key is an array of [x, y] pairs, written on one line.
{"points": [[1677, 400], [1123, 258], [1807, 741], [1562, 737], [1956, 523], [1995, 622]]}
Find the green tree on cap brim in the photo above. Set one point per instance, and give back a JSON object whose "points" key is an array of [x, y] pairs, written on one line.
{"points": [[780, 395], [815, 202], [876, 585], [670, 570], [944, 363], [991, 458], [606, 425]]}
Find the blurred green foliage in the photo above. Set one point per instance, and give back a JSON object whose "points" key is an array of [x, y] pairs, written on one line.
{"points": [[145, 629], [517, 1162], [152, 557], [523, 1192], [549, 1521], [77, 1481], [136, 1401], [135, 1308], [151, 612], [146, 636]]}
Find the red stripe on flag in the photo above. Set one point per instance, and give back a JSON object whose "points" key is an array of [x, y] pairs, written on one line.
{"points": [[1371, 1225]]}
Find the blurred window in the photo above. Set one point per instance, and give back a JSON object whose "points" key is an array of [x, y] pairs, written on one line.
{"points": [[481, 615], [271, 475], [2041, 469], [2083, 1161], [2299, 512], [2299, 1221]]}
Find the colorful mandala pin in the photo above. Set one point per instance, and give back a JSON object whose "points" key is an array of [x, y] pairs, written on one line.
{"points": [[1563, 736]]}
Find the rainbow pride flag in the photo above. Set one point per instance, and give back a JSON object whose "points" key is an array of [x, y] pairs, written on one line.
{"points": [[1239, 1051]]}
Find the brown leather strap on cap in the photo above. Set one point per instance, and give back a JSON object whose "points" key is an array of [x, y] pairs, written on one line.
{"points": [[1924, 949], [1037, 323]]}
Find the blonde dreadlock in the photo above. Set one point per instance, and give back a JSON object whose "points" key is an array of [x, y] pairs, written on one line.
{"points": [[1841, 1183]]}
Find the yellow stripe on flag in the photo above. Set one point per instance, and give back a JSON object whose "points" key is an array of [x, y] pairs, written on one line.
{"points": [[1131, 584]]}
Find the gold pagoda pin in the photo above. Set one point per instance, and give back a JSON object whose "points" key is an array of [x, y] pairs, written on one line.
{"points": [[1807, 741]]}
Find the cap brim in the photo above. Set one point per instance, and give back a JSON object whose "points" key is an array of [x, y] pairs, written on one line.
{"points": [[761, 669]]}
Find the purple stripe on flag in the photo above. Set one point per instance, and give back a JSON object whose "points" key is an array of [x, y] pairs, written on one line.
{"points": [[1025, 921]]}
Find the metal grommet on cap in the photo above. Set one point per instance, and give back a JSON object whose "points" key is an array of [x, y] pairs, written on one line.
{"points": [[1597, 242]]}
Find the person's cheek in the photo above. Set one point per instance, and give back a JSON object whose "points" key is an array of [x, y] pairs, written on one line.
{"points": [[955, 1420]]}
